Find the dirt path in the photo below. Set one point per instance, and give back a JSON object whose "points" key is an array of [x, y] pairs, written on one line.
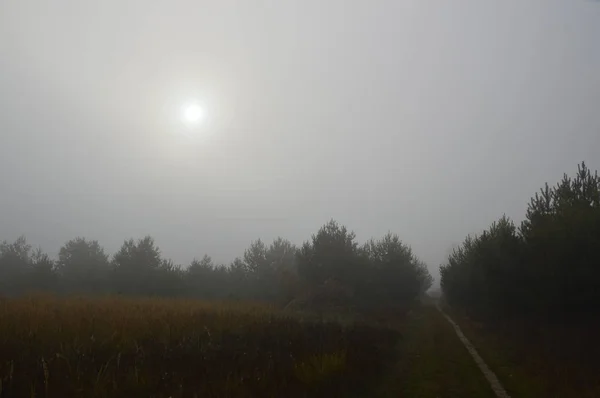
{"points": [[433, 362], [489, 375]]}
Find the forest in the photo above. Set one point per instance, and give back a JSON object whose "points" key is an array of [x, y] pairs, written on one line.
{"points": [[547, 268], [331, 265], [527, 295]]}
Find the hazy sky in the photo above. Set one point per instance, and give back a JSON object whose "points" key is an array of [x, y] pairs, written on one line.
{"points": [[426, 118]]}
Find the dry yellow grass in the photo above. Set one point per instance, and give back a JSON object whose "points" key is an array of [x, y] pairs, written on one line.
{"points": [[113, 346]]}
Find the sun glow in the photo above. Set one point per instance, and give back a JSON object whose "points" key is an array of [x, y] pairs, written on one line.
{"points": [[192, 114]]}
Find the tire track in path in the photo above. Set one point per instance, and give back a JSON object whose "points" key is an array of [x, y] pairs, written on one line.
{"points": [[487, 372]]}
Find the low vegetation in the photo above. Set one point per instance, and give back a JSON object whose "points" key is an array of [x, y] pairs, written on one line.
{"points": [[119, 347]]}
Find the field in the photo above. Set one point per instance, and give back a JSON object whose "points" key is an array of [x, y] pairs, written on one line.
{"points": [[117, 347], [125, 347]]}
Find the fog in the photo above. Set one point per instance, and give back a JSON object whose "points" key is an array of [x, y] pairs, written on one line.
{"points": [[429, 119]]}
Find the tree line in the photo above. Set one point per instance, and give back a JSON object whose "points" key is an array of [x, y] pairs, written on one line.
{"points": [[331, 264], [548, 267]]}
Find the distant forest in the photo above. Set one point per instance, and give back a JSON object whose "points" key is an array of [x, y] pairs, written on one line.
{"points": [[548, 268], [329, 269]]}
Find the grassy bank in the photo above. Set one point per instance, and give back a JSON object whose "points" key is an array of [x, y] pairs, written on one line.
{"points": [[535, 360]]}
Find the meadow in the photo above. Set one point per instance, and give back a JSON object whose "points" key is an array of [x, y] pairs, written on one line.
{"points": [[134, 347]]}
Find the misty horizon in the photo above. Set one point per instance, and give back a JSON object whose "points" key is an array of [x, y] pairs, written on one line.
{"points": [[429, 121]]}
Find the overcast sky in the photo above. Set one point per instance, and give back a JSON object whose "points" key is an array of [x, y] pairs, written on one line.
{"points": [[426, 118]]}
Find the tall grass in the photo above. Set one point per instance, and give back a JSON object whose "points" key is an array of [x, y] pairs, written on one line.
{"points": [[117, 347]]}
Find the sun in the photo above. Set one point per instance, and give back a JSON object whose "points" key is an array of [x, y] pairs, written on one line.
{"points": [[192, 114]]}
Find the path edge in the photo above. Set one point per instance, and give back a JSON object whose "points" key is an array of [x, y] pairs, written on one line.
{"points": [[487, 372]]}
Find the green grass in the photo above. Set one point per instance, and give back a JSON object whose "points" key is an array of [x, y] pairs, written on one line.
{"points": [[559, 361], [116, 347], [434, 362]]}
